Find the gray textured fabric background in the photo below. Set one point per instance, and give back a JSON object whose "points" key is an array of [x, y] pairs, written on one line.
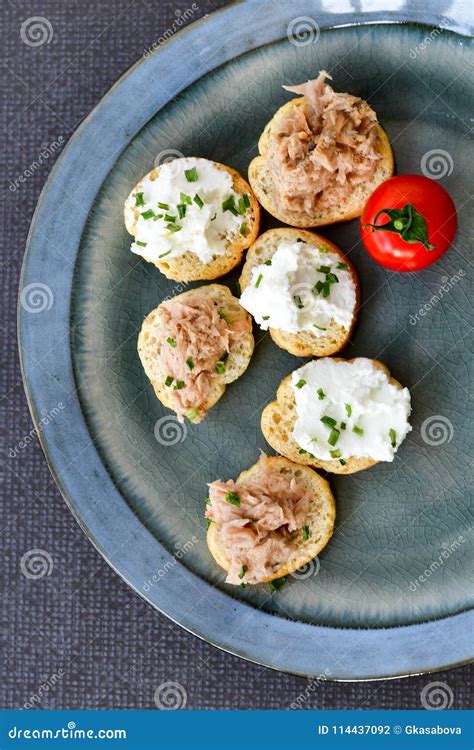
{"points": [[79, 638]]}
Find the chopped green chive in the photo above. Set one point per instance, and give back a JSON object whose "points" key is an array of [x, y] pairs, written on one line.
{"points": [[225, 317], [190, 363], [329, 421], [164, 206], [171, 342], [243, 571], [139, 199], [342, 462], [233, 498], [333, 437], [343, 425], [306, 533], [243, 585], [317, 287], [140, 244], [243, 227], [268, 262], [323, 249], [179, 385], [169, 380], [191, 174], [332, 278], [173, 227], [181, 207], [184, 199], [257, 283], [324, 269], [214, 217], [342, 266], [393, 437], [220, 367], [298, 301], [198, 200], [336, 454], [164, 254], [321, 394], [265, 317], [193, 414], [348, 410], [302, 451], [242, 206], [320, 328], [170, 218], [208, 522], [229, 205], [326, 289], [157, 216], [246, 200], [358, 430], [276, 584], [300, 383], [299, 239], [147, 214]]}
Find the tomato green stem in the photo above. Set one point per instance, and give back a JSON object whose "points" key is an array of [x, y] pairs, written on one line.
{"points": [[406, 222]]}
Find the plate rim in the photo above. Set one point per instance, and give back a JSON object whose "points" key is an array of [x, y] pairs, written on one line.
{"points": [[38, 390]]}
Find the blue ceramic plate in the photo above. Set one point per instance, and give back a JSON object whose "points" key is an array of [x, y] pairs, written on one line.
{"points": [[390, 594]]}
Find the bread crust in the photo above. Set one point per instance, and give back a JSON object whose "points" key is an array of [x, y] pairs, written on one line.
{"points": [[237, 362], [262, 184], [188, 267], [278, 421], [304, 344], [321, 518]]}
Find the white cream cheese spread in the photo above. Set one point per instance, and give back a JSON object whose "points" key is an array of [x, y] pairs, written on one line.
{"points": [[349, 409], [301, 288]]}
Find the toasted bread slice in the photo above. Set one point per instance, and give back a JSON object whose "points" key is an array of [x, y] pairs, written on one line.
{"points": [[278, 422], [189, 267], [320, 519], [305, 343], [150, 339], [261, 179]]}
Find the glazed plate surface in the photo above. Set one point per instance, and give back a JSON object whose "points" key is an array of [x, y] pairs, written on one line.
{"points": [[391, 592]]}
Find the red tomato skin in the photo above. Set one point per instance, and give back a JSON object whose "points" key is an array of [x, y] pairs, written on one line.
{"points": [[431, 200]]}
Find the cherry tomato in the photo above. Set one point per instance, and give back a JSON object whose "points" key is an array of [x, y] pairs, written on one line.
{"points": [[408, 223]]}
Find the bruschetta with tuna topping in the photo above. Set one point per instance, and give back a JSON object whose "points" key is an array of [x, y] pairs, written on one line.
{"points": [[321, 156], [274, 519], [192, 346]]}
